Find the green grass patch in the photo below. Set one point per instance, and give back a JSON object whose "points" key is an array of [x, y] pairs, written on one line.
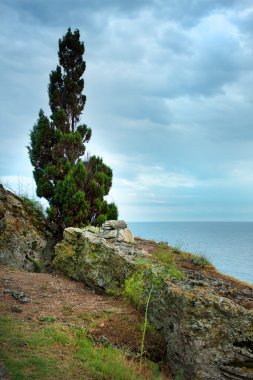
{"points": [[47, 319], [32, 352], [164, 257], [198, 260], [201, 261]]}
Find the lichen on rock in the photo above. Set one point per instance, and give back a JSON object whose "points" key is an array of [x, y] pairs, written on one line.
{"points": [[87, 256], [26, 240]]}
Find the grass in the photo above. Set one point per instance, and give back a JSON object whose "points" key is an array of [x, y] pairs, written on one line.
{"points": [[34, 206], [200, 261], [55, 351], [164, 256]]}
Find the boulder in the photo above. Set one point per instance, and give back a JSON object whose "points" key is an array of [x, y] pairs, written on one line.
{"points": [[208, 336], [99, 262], [125, 236], [26, 239]]}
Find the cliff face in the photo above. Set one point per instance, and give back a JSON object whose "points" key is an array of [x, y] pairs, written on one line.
{"points": [[201, 314], [26, 239]]}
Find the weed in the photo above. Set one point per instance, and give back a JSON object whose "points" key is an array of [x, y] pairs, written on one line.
{"points": [[201, 260], [34, 206], [145, 322], [38, 267], [15, 309], [165, 259], [68, 310], [44, 287], [180, 375], [134, 289], [47, 319]]}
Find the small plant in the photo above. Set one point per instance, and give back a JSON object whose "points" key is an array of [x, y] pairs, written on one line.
{"points": [[34, 206], [134, 288], [47, 319], [43, 288], [180, 375], [15, 309], [165, 259], [68, 310], [200, 260], [178, 248], [145, 323], [37, 265]]}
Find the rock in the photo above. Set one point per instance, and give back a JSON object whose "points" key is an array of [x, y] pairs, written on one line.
{"points": [[26, 239], [114, 225], [116, 230], [125, 236], [207, 336], [19, 296], [109, 234], [85, 256]]}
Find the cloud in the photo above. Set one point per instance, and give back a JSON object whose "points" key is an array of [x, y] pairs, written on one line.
{"points": [[169, 96]]}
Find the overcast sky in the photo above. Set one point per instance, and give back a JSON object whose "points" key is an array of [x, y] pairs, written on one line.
{"points": [[169, 86]]}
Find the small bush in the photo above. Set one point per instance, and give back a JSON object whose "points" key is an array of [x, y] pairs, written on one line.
{"points": [[134, 289], [38, 267], [164, 257], [200, 260], [34, 206]]}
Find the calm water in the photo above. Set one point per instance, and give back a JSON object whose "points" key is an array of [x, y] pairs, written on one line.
{"points": [[228, 245]]}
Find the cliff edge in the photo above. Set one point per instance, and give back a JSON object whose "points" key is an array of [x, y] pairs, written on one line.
{"points": [[205, 317]]}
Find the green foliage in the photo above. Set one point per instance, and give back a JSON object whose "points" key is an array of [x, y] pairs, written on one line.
{"points": [[164, 257], [145, 326], [200, 260], [180, 375], [38, 266], [134, 288], [47, 319], [74, 187], [139, 289]]}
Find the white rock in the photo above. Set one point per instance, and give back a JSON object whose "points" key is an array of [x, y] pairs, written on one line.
{"points": [[125, 235]]}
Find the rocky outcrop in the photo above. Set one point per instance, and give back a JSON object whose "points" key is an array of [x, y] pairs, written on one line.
{"points": [[26, 238], [101, 263], [208, 336]]}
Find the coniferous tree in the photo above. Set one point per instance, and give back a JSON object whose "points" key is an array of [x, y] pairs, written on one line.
{"points": [[74, 187]]}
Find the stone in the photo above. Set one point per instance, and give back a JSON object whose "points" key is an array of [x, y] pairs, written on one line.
{"points": [[109, 234], [208, 336], [117, 230], [19, 296], [125, 236], [114, 224]]}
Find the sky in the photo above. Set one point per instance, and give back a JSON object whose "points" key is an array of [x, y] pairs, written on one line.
{"points": [[169, 88]]}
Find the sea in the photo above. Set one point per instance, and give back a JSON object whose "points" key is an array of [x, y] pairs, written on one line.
{"points": [[228, 245]]}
